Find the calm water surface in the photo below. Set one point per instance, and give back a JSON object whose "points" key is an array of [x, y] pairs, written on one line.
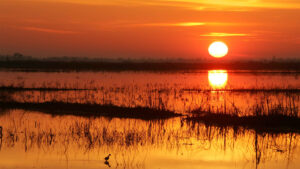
{"points": [[38, 140]]}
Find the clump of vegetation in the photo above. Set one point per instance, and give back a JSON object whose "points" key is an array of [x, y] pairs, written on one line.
{"points": [[91, 110], [268, 118]]}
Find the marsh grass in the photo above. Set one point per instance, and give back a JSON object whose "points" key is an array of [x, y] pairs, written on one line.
{"points": [[173, 99], [247, 90], [87, 118], [17, 89], [129, 140], [273, 108]]}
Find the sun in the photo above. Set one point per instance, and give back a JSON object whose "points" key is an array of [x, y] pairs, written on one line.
{"points": [[218, 49]]}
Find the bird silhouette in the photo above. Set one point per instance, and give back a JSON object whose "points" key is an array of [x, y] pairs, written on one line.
{"points": [[107, 157]]}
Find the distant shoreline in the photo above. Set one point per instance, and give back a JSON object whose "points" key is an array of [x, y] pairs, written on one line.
{"points": [[57, 66]]}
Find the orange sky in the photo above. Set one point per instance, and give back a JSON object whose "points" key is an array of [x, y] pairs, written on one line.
{"points": [[150, 28]]}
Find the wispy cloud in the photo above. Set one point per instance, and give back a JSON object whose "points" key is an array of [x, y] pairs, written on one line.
{"points": [[205, 5], [197, 4], [85, 2], [221, 4], [217, 34], [183, 24], [47, 30]]}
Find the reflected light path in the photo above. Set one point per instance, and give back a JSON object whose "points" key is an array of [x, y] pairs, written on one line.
{"points": [[217, 78]]}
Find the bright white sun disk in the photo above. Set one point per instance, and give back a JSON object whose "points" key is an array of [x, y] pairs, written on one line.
{"points": [[218, 49]]}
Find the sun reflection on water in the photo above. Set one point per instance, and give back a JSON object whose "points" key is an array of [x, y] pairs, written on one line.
{"points": [[217, 78]]}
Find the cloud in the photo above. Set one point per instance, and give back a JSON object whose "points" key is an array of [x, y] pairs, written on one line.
{"points": [[183, 24], [83, 2], [215, 34], [47, 30], [208, 5], [221, 4]]}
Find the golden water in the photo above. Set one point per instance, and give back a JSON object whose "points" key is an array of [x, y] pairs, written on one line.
{"points": [[37, 140], [34, 140]]}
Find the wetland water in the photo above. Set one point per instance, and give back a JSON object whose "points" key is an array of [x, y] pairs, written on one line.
{"points": [[37, 138]]}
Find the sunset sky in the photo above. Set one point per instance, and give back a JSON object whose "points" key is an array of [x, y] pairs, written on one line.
{"points": [[258, 29]]}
